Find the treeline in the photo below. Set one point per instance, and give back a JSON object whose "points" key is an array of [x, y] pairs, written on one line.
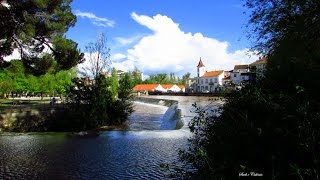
{"points": [[164, 78], [16, 82]]}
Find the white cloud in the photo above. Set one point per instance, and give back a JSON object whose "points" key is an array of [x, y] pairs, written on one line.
{"points": [[127, 41], [118, 56], [87, 68], [169, 49], [98, 21]]}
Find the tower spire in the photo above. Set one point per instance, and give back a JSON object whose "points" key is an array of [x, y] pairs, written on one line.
{"points": [[200, 64]]}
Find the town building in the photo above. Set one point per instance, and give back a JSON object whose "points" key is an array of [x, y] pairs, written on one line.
{"points": [[239, 74], [145, 88], [208, 81], [259, 67]]}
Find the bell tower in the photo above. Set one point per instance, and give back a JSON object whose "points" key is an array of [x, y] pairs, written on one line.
{"points": [[201, 69]]}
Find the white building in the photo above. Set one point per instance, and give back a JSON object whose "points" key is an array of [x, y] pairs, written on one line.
{"points": [[159, 88], [239, 74], [173, 88], [208, 81], [259, 67]]}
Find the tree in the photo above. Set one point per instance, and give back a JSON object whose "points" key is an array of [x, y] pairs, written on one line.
{"points": [[136, 76], [272, 127], [100, 101], [185, 78], [14, 79], [98, 59], [124, 105], [163, 78], [63, 80], [36, 26], [6, 83], [288, 33], [113, 84], [33, 84]]}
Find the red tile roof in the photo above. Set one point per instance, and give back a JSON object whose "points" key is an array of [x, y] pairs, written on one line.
{"points": [[145, 87], [260, 61], [212, 73], [236, 67], [152, 87], [181, 86], [200, 64], [167, 86]]}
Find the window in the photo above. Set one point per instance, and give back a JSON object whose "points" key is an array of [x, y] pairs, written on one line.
{"points": [[235, 75], [215, 80], [206, 80], [211, 80]]}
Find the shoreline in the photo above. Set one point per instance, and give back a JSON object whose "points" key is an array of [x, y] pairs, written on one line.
{"points": [[39, 114]]}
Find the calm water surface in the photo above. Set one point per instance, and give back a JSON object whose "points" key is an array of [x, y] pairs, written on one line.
{"points": [[134, 154]]}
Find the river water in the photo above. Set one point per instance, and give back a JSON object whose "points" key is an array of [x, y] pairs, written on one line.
{"points": [[133, 154]]}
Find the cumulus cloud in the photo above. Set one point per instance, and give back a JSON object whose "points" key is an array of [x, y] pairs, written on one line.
{"points": [[98, 21], [169, 49], [118, 56], [127, 41]]}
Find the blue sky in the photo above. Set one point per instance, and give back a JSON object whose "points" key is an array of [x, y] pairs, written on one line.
{"points": [[162, 36]]}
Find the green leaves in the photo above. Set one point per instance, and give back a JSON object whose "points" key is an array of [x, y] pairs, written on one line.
{"points": [[33, 25], [100, 102], [66, 53]]}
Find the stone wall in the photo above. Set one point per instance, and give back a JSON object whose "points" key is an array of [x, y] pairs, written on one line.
{"points": [[29, 118]]}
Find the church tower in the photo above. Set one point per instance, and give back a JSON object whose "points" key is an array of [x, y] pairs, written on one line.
{"points": [[201, 69]]}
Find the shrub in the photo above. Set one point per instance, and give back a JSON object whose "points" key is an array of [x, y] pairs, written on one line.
{"points": [[259, 130]]}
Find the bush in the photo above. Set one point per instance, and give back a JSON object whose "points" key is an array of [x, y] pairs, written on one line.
{"points": [[259, 130], [93, 104]]}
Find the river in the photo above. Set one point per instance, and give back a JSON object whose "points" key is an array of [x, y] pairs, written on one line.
{"points": [[133, 154]]}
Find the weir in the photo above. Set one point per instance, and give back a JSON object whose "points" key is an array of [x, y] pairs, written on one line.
{"points": [[170, 120]]}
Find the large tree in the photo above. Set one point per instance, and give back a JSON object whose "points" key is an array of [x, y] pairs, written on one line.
{"points": [[36, 29], [288, 33], [98, 60], [271, 128]]}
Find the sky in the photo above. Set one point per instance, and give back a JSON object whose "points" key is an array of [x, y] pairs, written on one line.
{"points": [[164, 36]]}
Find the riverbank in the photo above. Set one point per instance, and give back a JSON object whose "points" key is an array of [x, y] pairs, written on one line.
{"points": [[43, 117]]}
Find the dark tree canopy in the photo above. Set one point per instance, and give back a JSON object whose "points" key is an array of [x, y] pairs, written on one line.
{"points": [[32, 26], [277, 21], [288, 33], [272, 126]]}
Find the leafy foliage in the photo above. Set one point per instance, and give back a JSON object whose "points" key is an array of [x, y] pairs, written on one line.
{"points": [[31, 26], [163, 78], [272, 127], [14, 79], [257, 131], [94, 104]]}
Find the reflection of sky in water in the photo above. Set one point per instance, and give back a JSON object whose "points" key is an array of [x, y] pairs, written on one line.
{"points": [[111, 155]]}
